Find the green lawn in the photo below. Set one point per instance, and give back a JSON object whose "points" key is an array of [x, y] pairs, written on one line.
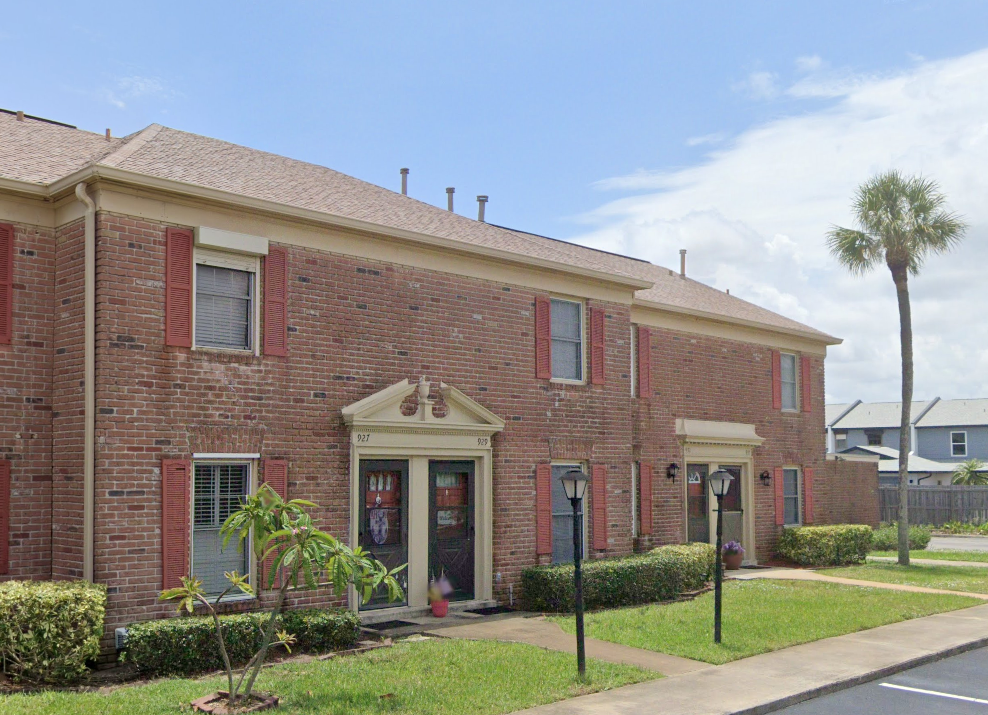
{"points": [[973, 579], [761, 616], [939, 555], [434, 676]]}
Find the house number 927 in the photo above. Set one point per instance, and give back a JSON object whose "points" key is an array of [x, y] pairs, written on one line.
{"points": [[363, 437], [483, 441]]}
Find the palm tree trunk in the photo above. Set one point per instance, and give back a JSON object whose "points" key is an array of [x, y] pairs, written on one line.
{"points": [[900, 276]]}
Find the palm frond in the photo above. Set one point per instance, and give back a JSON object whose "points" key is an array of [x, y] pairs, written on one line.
{"points": [[855, 250]]}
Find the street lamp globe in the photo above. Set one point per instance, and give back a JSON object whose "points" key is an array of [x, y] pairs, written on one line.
{"points": [[574, 484], [720, 482]]}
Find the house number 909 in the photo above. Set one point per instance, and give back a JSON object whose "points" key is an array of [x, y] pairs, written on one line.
{"points": [[363, 437]]}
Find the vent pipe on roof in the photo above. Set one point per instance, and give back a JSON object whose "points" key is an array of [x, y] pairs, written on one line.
{"points": [[108, 134], [20, 115], [482, 202], [404, 182], [449, 197], [682, 262]]}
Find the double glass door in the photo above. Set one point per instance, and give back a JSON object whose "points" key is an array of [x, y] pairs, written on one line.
{"points": [[701, 505]]}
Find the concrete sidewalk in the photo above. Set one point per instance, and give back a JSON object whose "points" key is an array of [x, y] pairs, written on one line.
{"points": [[929, 562], [767, 682]]}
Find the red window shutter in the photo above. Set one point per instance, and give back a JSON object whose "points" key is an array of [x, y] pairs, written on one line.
{"points": [[6, 283], [276, 302], [4, 516], [176, 474], [543, 338], [806, 380], [776, 380], [780, 494], [178, 287], [644, 361], [645, 498], [597, 316], [808, 495], [276, 477], [543, 509], [598, 483]]}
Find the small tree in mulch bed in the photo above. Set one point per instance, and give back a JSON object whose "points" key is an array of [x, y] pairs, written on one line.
{"points": [[303, 557]]}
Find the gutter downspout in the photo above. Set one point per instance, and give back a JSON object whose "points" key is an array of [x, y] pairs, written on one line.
{"points": [[89, 380]]}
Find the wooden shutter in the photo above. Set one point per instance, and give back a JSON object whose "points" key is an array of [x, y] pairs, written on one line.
{"points": [[176, 475], [806, 380], [543, 338], [808, 495], [178, 287], [6, 283], [276, 302], [598, 484], [4, 516], [780, 496], [597, 316], [276, 477], [543, 509], [645, 498], [644, 361], [776, 380]]}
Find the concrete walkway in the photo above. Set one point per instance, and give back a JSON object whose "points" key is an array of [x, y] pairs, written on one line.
{"points": [[767, 682], [805, 575], [930, 562], [544, 633]]}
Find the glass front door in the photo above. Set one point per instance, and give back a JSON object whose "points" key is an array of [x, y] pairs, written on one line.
{"points": [[733, 511], [451, 525], [697, 513], [384, 520]]}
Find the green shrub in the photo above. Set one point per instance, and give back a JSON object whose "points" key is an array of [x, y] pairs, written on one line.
{"points": [[187, 645], [886, 537], [832, 545], [49, 629], [659, 575]]}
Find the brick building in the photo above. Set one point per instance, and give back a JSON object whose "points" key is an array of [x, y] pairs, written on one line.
{"points": [[182, 319]]}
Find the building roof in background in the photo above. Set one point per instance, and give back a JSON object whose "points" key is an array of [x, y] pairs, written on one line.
{"points": [[889, 460], [925, 413], [41, 153]]}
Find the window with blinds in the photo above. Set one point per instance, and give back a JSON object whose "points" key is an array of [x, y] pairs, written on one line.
{"points": [[567, 340], [224, 307], [218, 491], [790, 496], [790, 390]]}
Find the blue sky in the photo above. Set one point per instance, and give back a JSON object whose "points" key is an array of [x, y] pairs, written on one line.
{"points": [[627, 125]]}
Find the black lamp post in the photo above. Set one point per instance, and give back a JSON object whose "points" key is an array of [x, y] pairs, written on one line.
{"points": [[720, 484], [575, 485]]}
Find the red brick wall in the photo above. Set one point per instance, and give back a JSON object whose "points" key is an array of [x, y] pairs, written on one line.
{"points": [[849, 493], [26, 403]]}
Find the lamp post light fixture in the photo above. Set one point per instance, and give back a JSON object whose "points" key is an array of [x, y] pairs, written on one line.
{"points": [[575, 486], [720, 484]]}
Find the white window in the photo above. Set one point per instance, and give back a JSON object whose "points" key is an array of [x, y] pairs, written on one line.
{"points": [[790, 496], [790, 394], [218, 490], [958, 444], [562, 515], [226, 304], [567, 340], [840, 441], [634, 360]]}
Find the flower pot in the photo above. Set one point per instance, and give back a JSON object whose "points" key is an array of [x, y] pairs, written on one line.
{"points": [[440, 608], [732, 562]]}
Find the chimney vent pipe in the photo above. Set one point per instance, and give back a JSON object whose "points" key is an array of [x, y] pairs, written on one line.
{"points": [[108, 137], [682, 262], [482, 202], [20, 115], [449, 197], [404, 182]]}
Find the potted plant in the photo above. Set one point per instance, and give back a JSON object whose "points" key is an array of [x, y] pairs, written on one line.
{"points": [[732, 554], [439, 592], [303, 557]]}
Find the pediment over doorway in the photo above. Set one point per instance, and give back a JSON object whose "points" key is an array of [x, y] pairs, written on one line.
{"points": [[722, 433], [410, 406]]}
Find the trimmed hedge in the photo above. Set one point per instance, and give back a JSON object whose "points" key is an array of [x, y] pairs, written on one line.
{"points": [[886, 537], [659, 575], [50, 629], [833, 545], [187, 645]]}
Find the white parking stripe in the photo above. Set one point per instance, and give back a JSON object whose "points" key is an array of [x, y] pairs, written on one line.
{"points": [[935, 692]]}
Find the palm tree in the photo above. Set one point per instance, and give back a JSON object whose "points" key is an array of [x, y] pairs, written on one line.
{"points": [[900, 222], [967, 473]]}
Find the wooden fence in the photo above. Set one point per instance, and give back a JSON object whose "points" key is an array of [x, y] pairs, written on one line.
{"points": [[936, 505]]}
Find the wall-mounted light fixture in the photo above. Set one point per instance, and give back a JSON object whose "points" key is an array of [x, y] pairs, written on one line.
{"points": [[672, 471], [765, 477]]}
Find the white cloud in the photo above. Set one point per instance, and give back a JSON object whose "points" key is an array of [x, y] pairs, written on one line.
{"points": [[714, 138], [759, 85], [754, 215], [809, 63], [134, 87]]}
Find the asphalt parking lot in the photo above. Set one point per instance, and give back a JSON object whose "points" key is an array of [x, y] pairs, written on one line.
{"points": [[955, 686], [959, 543]]}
